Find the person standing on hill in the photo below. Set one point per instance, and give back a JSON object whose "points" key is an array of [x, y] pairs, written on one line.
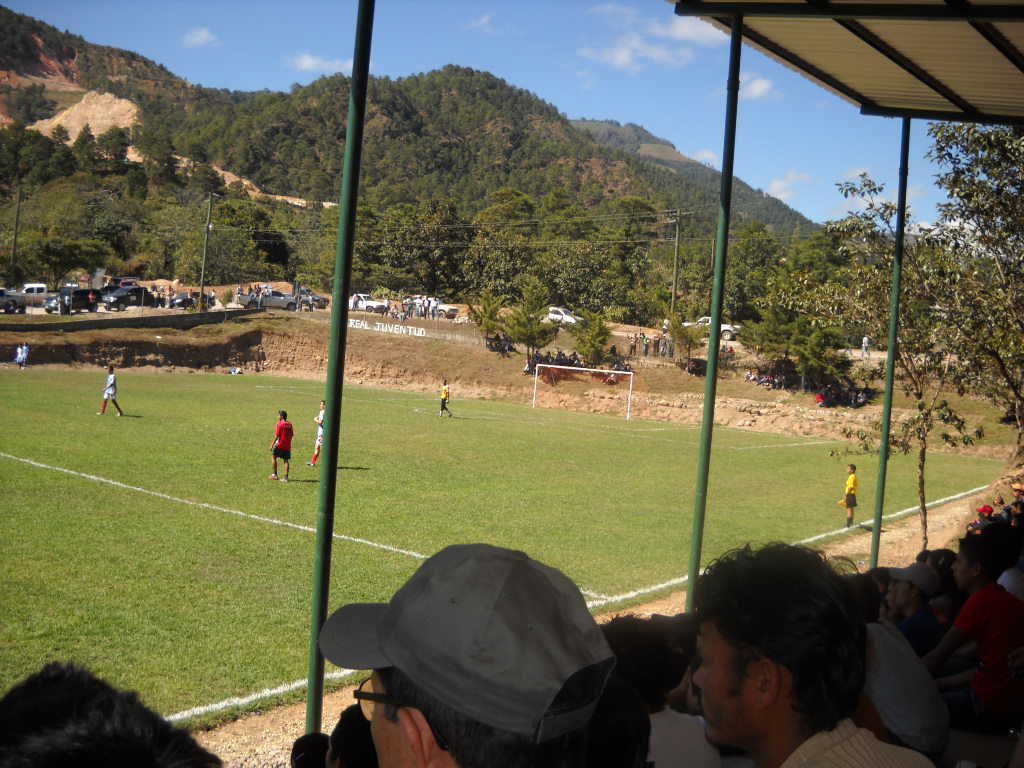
{"points": [[281, 448], [445, 396], [318, 444], [850, 493], [110, 393]]}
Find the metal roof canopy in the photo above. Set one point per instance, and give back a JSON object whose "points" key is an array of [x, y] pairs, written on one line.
{"points": [[936, 59]]}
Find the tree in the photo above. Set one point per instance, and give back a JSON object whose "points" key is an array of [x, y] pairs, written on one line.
{"points": [[84, 150], [526, 323], [981, 231], [60, 133], [856, 296], [591, 334], [486, 313], [113, 145]]}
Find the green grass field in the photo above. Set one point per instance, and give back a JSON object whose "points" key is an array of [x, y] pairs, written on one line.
{"points": [[175, 596]]}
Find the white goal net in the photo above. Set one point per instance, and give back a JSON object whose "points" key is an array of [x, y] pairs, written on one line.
{"points": [[552, 374]]}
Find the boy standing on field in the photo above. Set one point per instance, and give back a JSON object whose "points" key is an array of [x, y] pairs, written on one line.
{"points": [[318, 444], [281, 448], [445, 395], [110, 393], [850, 493]]}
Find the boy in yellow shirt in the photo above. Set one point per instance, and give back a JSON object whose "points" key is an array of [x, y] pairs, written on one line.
{"points": [[850, 493]]}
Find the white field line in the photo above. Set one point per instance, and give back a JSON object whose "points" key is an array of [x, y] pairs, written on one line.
{"points": [[214, 507], [837, 532], [782, 445], [266, 693]]}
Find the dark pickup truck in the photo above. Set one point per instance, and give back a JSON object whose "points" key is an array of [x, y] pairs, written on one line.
{"points": [[132, 296]]}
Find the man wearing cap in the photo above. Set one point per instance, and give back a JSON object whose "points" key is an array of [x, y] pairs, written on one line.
{"points": [[908, 596], [484, 657]]}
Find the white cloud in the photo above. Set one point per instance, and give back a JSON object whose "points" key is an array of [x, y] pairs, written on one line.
{"points": [[644, 40], [783, 188], [629, 51], [199, 36], [753, 87], [708, 157], [687, 28], [307, 62], [485, 23], [586, 78]]}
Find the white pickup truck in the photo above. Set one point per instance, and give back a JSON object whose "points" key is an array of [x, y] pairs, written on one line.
{"points": [[729, 331], [367, 303]]}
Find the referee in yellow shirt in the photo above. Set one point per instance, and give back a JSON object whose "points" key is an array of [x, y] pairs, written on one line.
{"points": [[850, 493]]}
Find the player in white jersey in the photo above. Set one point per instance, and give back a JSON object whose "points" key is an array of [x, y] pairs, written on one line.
{"points": [[110, 393], [319, 421]]}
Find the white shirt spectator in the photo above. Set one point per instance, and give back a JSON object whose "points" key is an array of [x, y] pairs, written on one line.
{"points": [[903, 691], [678, 741], [1012, 580]]}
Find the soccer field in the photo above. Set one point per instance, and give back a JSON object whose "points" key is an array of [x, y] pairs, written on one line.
{"points": [[154, 549]]}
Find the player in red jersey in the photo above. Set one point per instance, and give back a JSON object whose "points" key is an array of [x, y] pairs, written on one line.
{"points": [[281, 448]]}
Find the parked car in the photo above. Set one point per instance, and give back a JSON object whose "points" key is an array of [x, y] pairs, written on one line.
{"points": [[80, 298], [728, 330], [12, 302], [132, 296], [188, 300], [561, 315], [35, 294], [367, 303], [270, 300], [312, 300], [447, 311]]}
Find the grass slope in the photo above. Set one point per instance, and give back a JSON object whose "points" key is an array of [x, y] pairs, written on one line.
{"points": [[191, 604]]}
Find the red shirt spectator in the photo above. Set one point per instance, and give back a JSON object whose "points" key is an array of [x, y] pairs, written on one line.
{"points": [[995, 620]]}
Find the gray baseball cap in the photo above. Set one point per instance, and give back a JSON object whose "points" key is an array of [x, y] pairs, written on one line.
{"points": [[921, 575], [489, 632]]}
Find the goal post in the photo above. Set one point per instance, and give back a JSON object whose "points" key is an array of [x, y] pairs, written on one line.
{"points": [[608, 377]]}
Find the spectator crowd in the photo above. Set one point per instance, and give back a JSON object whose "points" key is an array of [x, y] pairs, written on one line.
{"points": [[487, 657]]}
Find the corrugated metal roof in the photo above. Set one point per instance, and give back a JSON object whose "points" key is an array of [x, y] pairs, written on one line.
{"points": [[944, 60]]}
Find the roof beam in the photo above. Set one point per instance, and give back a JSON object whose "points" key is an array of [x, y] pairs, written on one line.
{"points": [[829, 10], [994, 37], [937, 114], [801, 64], [906, 64]]}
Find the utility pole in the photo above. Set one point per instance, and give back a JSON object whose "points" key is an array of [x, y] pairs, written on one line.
{"points": [[206, 242], [675, 268], [17, 220]]}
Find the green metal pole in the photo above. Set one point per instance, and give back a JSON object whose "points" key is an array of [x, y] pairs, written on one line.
{"points": [[206, 243], [891, 352], [721, 251], [336, 357]]}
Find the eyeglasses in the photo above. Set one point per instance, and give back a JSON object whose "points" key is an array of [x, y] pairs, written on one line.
{"points": [[369, 697]]}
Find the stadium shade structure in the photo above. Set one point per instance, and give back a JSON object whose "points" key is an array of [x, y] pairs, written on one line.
{"points": [[934, 59]]}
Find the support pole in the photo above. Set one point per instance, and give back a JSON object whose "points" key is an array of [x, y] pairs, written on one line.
{"points": [[721, 251], [891, 352], [17, 223], [336, 358], [675, 271], [206, 243]]}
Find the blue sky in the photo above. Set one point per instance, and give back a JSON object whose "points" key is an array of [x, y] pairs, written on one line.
{"points": [[630, 61]]}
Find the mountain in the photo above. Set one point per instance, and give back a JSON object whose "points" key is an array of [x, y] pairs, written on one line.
{"points": [[747, 202], [454, 132]]}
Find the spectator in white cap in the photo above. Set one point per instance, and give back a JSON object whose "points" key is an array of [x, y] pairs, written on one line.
{"points": [[484, 657], [909, 592]]}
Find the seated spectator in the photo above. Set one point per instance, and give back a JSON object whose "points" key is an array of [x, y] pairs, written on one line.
{"points": [[620, 730], [350, 744], [782, 662], [947, 603], [1012, 579], [65, 715], [983, 519], [646, 660], [310, 751], [985, 695], [898, 689], [483, 658], [908, 605]]}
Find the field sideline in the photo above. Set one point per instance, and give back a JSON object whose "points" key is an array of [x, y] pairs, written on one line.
{"points": [[154, 549]]}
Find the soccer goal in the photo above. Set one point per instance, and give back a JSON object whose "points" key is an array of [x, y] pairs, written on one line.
{"points": [[552, 374]]}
